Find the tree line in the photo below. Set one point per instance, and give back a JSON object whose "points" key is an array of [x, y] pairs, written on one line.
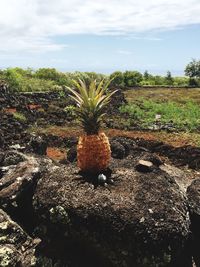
{"points": [[45, 79]]}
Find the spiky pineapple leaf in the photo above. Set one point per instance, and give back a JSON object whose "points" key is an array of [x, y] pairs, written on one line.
{"points": [[91, 102]]}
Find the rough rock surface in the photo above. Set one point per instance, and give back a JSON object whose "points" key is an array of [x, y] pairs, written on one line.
{"points": [[118, 150], [11, 129], [144, 166], [140, 220], [39, 145], [180, 156], [18, 179], [16, 247], [193, 194]]}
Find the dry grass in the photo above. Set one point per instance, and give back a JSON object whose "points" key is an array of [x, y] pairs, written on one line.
{"points": [[179, 95]]}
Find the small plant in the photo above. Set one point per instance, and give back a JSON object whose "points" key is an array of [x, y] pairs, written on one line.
{"points": [[93, 150], [70, 111], [19, 116]]}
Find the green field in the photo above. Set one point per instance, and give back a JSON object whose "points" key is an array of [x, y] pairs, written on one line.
{"points": [[179, 107]]}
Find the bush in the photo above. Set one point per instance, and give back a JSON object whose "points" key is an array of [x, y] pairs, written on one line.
{"points": [[118, 78], [132, 78]]}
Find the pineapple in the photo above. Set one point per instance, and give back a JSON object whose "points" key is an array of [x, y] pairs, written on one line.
{"points": [[93, 149]]}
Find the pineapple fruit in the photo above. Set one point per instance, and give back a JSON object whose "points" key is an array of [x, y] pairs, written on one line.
{"points": [[93, 149]]}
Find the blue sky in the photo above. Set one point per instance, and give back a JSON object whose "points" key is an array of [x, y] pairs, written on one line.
{"points": [[101, 36]]}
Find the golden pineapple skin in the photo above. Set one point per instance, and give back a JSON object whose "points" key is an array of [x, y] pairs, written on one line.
{"points": [[93, 152]]}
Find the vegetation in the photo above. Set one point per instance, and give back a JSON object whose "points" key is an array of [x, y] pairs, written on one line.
{"points": [[193, 71], [132, 78], [19, 116], [93, 150], [159, 95], [177, 107], [117, 78], [181, 116], [46, 79], [168, 79]]}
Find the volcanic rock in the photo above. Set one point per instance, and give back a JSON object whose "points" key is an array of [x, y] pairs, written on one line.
{"points": [[118, 150], [13, 158], [153, 158], [144, 166], [18, 179], [141, 220], [16, 247], [193, 194], [39, 145]]}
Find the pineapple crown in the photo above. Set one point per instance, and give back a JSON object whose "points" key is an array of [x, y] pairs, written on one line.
{"points": [[91, 101]]}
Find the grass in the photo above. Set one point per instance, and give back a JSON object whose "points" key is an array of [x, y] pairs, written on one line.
{"points": [[183, 116], [180, 107], [19, 116]]}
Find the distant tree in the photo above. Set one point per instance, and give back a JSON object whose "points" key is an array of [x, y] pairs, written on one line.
{"points": [[132, 78], [168, 79], [146, 75], [23, 72], [47, 74], [192, 70], [159, 80], [118, 78], [52, 74], [181, 81], [13, 77]]}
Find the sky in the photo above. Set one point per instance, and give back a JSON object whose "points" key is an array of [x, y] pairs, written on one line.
{"points": [[100, 35]]}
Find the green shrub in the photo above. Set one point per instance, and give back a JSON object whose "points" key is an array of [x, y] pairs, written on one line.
{"points": [[70, 111], [117, 78], [132, 78]]}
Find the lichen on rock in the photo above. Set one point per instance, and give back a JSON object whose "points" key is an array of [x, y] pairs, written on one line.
{"points": [[16, 247]]}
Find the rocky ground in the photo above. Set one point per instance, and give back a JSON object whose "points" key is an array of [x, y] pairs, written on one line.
{"points": [[145, 212]]}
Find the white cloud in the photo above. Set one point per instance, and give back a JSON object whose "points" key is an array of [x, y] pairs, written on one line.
{"points": [[32, 24]]}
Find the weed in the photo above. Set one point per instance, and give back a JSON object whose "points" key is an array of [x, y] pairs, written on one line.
{"points": [[19, 116]]}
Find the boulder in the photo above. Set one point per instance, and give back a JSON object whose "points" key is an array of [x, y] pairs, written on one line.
{"points": [[17, 179], [153, 158], [118, 150], [144, 166], [39, 145], [140, 220], [16, 247]]}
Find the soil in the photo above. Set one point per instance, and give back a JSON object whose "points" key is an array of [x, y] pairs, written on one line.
{"points": [[56, 153]]}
